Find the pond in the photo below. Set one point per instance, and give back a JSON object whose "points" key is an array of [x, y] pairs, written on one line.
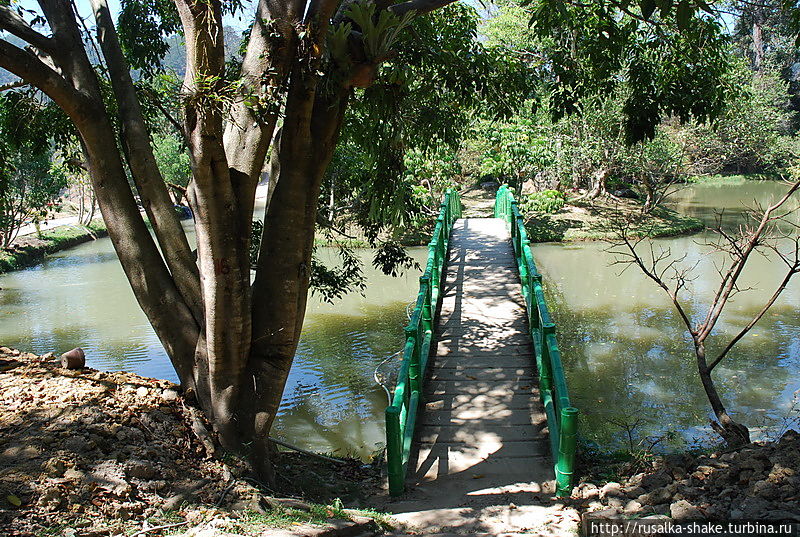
{"points": [[628, 357], [80, 297]]}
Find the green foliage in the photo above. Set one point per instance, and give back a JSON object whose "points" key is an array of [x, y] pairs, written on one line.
{"points": [[172, 159], [29, 181], [597, 47], [545, 201]]}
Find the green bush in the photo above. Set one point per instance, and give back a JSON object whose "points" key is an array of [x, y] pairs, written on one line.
{"points": [[546, 201]]}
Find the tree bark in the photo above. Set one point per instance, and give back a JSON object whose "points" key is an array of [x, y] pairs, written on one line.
{"points": [[735, 434]]}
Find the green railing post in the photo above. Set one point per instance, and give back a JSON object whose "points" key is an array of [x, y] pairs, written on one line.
{"points": [[394, 451], [413, 366], [566, 451]]}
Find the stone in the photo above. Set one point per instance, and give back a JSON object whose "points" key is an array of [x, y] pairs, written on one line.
{"points": [[683, 510], [78, 444], [54, 467], [656, 480], [632, 507], [73, 474], [110, 476], [634, 492], [47, 356], [140, 469], [755, 507], [141, 392], [51, 499], [169, 395], [605, 513], [766, 490], [661, 509], [611, 489], [658, 496]]}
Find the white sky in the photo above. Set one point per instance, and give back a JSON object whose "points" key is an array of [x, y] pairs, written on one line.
{"points": [[239, 21]]}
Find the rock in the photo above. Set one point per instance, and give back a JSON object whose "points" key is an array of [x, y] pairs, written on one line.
{"points": [[605, 513], [661, 509], [73, 474], [141, 392], [169, 395], [74, 359], [754, 507], [634, 492], [615, 502], [78, 444], [766, 490], [655, 497], [140, 469], [47, 356], [51, 499], [110, 476], [656, 480], [611, 489], [683, 510], [632, 507], [54, 467]]}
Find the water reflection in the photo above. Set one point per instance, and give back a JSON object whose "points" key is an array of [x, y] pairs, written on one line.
{"points": [[628, 356], [81, 297]]}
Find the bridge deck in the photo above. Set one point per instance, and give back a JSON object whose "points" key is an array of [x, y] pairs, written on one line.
{"points": [[481, 447]]}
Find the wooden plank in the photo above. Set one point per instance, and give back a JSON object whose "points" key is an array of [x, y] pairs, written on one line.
{"points": [[481, 393]]}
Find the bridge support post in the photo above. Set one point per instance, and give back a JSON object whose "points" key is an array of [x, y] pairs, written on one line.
{"points": [[567, 440], [394, 451]]}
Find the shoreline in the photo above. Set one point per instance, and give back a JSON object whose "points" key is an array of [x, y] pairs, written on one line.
{"points": [[30, 250]]}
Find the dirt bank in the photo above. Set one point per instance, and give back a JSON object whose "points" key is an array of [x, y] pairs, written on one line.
{"points": [[91, 453]]}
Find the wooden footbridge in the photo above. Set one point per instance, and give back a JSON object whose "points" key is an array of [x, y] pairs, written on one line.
{"points": [[481, 395]]}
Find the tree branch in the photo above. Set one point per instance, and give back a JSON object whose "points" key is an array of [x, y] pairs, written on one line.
{"points": [[16, 25], [419, 6], [34, 71]]}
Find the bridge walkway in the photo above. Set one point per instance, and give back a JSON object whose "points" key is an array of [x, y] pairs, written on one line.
{"points": [[481, 459]]}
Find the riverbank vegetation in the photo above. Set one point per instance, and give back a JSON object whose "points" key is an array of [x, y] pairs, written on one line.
{"points": [[32, 249]]}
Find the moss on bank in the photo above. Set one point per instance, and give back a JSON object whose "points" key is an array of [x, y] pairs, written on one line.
{"points": [[30, 249], [585, 221]]}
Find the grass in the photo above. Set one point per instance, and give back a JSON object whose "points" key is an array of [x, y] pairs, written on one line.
{"points": [[30, 249], [735, 179], [585, 221]]}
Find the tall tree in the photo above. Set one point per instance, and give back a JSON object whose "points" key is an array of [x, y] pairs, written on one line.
{"points": [[230, 341]]}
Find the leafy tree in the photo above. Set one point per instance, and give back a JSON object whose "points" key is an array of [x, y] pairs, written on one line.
{"points": [[231, 340], [29, 182]]}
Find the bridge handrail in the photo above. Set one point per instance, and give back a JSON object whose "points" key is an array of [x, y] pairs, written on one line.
{"points": [[401, 414], [562, 417]]}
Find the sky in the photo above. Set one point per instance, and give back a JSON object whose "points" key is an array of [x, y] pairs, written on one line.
{"points": [[84, 8]]}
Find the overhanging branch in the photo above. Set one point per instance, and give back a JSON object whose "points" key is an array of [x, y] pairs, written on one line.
{"points": [[11, 22]]}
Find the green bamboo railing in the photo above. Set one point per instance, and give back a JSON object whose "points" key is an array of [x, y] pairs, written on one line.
{"points": [[562, 417], [401, 415]]}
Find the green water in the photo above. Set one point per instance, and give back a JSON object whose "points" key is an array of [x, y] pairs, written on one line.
{"points": [[628, 358], [80, 297]]}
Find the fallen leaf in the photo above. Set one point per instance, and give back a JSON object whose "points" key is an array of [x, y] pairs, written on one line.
{"points": [[477, 476], [14, 500]]}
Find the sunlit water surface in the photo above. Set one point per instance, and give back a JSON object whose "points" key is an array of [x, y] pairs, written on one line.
{"points": [[628, 358]]}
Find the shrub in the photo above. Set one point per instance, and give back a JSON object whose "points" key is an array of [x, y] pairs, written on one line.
{"points": [[546, 201]]}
